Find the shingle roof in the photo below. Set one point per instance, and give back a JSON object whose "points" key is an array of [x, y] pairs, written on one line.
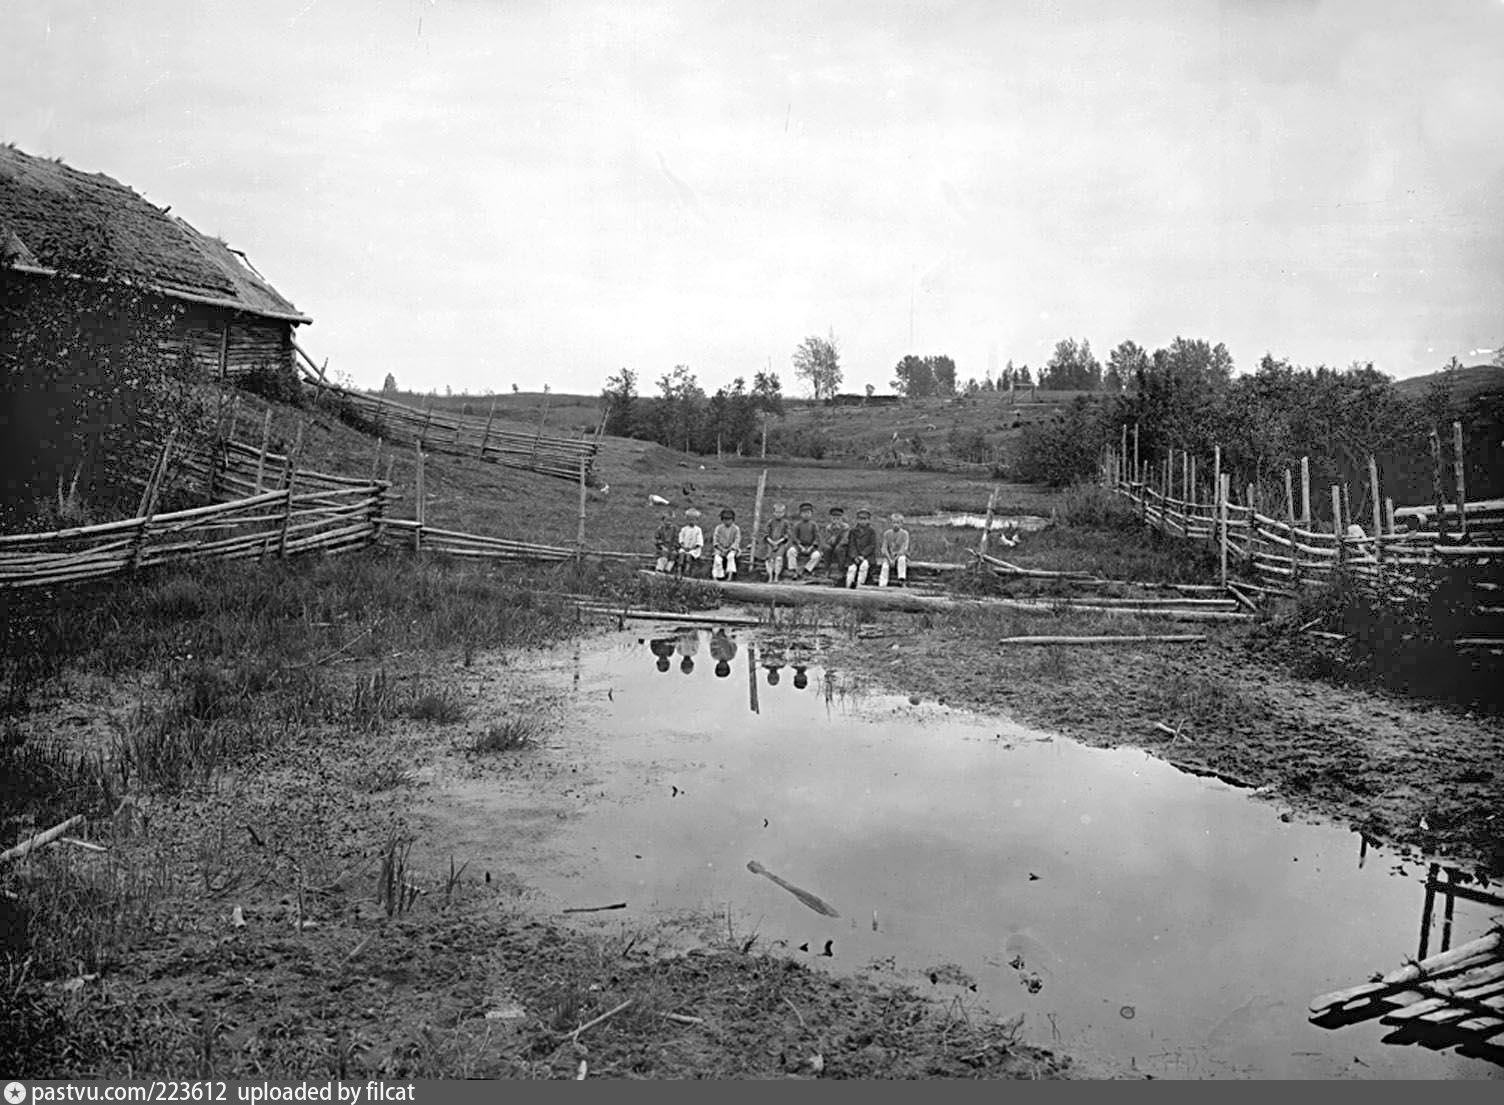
{"points": [[47, 210]]}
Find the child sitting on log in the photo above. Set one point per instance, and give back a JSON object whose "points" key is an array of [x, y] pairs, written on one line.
{"points": [[837, 534], [775, 537], [861, 548], [895, 552], [804, 541], [691, 544], [725, 543], [666, 541]]}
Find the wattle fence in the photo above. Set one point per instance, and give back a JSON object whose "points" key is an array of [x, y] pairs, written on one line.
{"points": [[1458, 546]]}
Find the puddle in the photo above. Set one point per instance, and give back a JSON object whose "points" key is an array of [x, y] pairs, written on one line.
{"points": [[1138, 916], [1024, 523]]}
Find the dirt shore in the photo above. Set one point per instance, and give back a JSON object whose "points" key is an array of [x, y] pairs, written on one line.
{"points": [[1415, 775]]}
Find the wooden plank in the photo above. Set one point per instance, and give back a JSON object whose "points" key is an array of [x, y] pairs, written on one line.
{"points": [[1469, 954]]}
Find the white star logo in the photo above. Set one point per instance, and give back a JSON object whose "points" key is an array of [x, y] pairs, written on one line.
{"points": [[15, 1093]]}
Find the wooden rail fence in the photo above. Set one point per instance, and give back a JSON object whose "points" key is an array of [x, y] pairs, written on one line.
{"points": [[459, 435]]}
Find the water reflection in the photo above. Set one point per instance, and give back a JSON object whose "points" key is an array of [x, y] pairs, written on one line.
{"points": [[723, 651]]}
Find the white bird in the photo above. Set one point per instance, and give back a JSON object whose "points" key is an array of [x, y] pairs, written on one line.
{"points": [[657, 500]]}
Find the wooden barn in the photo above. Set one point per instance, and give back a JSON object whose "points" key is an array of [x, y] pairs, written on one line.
{"points": [[229, 319]]}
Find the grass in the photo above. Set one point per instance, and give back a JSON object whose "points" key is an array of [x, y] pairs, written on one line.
{"points": [[508, 735]]}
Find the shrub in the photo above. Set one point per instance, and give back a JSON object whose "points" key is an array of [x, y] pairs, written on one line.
{"points": [[276, 382]]}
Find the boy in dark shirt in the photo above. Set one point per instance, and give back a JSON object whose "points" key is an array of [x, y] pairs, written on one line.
{"points": [[833, 550], [666, 540], [861, 546], [804, 541]]}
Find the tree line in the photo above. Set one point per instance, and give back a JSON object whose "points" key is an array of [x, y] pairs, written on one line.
{"points": [[1186, 397]]}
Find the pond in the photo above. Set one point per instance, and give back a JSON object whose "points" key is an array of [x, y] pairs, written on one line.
{"points": [[1139, 917]]}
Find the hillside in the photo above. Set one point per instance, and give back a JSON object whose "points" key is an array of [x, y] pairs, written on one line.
{"points": [[1467, 383]]}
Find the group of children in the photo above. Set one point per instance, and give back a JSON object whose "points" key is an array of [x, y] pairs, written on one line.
{"points": [[798, 547]]}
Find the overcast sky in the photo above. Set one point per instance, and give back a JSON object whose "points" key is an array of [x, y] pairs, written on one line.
{"points": [[486, 193]]}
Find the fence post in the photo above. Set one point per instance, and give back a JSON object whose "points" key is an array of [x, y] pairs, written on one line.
{"points": [[1389, 514], [1216, 470], [1457, 461], [762, 483], [486, 437], [1222, 482], [418, 496], [1290, 522], [427, 418], [149, 498], [1137, 470], [1337, 523], [987, 525], [1441, 508], [292, 479], [376, 461], [580, 539], [1378, 518], [266, 437], [1306, 493], [1123, 455]]}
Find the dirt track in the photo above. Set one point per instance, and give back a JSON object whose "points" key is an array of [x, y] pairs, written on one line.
{"points": [[1402, 772]]}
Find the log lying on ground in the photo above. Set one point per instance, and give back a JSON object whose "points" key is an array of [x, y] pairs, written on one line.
{"points": [[796, 594], [41, 840], [1119, 639], [687, 618]]}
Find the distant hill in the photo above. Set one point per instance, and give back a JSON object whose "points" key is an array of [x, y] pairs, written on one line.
{"points": [[1478, 379]]}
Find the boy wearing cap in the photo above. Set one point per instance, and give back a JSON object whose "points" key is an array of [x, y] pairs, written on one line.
{"points": [[837, 534], [691, 543], [861, 544], [725, 543], [666, 541], [775, 536], [804, 541], [895, 552]]}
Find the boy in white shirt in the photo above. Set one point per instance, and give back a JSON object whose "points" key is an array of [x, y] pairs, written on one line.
{"points": [[691, 544], [725, 543], [895, 553]]}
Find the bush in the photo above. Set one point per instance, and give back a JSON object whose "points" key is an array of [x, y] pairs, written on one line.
{"points": [[278, 383]]}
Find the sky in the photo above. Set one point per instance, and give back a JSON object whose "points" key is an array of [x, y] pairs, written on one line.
{"points": [[485, 194]]}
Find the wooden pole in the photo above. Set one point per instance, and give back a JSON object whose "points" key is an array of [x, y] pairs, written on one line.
{"points": [[1305, 492], [1222, 482], [485, 438], [149, 501], [1378, 518], [1337, 522], [376, 461], [1290, 522], [1123, 455], [1389, 514], [580, 537], [1458, 463], [752, 673], [427, 418], [1436, 491], [291, 469], [987, 525], [1137, 470], [765, 435], [266, 437], [1191, 495], [1216, 469], [1185, 477], [418, 496], [762, 483]]}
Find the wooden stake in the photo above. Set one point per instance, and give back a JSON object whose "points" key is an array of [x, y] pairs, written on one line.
{"points": [[485, 438], [1137, 470], [1185, 477], [987, 526], [1337, 522], [292, 478], [1123, 456], [1192, 495], [1389, 514], [427, 418], [1305, 492], [1290, 522], [1216, 470], [580, 537], [1378, 518], [1222, 482], [376, 461], [418, 500], [762, 483], [1458, 463], [266, 437], [1436, 491]]}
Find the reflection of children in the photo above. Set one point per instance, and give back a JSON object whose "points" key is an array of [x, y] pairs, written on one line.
{"points": [[895, 552], [837, 536], [804, 541], [801, 680], [723, 648], [663, 648], [861, 546], [775, 536], [687, 644], [691, 543], [773, 670], [666, 541], [725, 543]]}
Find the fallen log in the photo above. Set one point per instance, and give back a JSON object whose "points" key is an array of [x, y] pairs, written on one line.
{"points": [[668, 616], [42, 839], [803, 895], [796, 594], [1120, 639]]}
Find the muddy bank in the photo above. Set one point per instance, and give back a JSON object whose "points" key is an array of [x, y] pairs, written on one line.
{"points": [[1405, 773]]}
